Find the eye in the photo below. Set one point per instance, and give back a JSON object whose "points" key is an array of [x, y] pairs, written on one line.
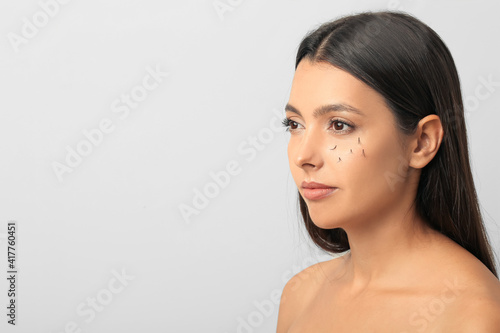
{"points": [[340, 126], [289, 124]]}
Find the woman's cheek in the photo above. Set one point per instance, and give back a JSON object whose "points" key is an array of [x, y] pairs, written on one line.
{"points": [[365, 161], [347, 152], [385, 167]]}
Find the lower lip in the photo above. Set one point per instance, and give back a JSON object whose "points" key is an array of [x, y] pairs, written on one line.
{"points": [[318, 193]]}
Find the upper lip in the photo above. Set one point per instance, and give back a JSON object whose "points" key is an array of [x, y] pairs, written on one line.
{"points": [[315, 185]]}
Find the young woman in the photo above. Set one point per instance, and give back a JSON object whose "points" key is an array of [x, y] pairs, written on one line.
{"points": [[378, 150]]}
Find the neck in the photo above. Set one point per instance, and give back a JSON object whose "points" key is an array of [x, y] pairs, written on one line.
{"points": [[383, 249]]}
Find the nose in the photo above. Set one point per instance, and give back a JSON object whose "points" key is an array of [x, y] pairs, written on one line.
{"points": [[306, 149]]}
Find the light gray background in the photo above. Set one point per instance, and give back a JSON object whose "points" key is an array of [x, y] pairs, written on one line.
{"points": [[119, 209]]}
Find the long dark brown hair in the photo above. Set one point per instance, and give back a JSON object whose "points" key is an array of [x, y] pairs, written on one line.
{"points": [[410, 66]]}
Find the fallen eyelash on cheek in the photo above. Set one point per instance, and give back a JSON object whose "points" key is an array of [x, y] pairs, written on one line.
{"points": [[350, 150]]}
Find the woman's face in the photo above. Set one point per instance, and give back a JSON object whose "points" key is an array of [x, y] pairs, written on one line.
{"points": [[357, 152]]}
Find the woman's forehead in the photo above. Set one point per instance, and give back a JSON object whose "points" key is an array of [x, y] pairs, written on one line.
{"points": [[317, 84]]}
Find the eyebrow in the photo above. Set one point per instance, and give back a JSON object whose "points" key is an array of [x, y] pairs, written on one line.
{"points": [[322, 110]]}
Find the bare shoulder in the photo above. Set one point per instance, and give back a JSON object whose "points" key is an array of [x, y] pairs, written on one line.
{"points": [[483, 315], [479, 305], [301, 289], [476, 311], [472, 296], [478, 279]]}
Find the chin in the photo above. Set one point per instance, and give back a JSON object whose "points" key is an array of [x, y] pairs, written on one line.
{"points": [[326, 221], [327, 225]]}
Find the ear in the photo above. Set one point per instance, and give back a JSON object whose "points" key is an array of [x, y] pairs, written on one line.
{"points": [[426, 141]]}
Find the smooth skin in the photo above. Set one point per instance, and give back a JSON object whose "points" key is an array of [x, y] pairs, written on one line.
{"points": [[399, 275]]}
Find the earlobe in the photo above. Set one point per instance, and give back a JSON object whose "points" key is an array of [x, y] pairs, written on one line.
{"points": [[429, 135]]}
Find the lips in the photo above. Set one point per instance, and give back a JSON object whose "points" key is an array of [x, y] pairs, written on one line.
{"points": [[316, 191], [313, 185]]}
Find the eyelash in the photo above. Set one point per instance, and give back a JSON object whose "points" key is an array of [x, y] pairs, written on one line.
{"points": [[286, 123]]}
